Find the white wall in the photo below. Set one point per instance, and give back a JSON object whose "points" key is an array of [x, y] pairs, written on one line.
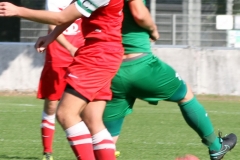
{"points": [[208, 71], [20, 67]]}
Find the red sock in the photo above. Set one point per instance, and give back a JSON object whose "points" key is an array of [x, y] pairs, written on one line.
{"points": [[47, 130], [80, 140], [104, 148]]}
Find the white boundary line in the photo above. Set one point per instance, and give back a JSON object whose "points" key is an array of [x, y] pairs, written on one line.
{"points": [[16, 104]]}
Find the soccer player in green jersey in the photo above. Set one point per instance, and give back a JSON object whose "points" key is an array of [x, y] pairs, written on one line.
{"points": [[142, 75]]}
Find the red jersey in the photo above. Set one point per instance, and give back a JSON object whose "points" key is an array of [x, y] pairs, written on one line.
{"points": [[56, 54], [104, 23]]}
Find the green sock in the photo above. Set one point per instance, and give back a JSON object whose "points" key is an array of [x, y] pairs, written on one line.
{"points": [[216, 145], [197, 118]]}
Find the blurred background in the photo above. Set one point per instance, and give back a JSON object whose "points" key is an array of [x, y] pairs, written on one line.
{"points": [[180, 22]]}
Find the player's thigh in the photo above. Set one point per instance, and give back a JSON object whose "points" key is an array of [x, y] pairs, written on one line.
{"points": [[184, 97], [155, 80], [114, 113], [69, 109], [118, 108], [92, 116], [181, 93]]}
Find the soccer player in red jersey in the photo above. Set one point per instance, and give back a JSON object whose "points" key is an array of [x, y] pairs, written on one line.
{"points": [[59, 55], [89, 75]]}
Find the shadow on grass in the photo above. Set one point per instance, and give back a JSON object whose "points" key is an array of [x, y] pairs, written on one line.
{"points": [[17, 157]]}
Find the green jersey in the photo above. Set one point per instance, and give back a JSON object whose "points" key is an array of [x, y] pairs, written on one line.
{"points": [[135, 38]]}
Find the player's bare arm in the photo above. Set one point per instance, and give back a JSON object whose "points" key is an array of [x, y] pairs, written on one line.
{"points": [[52, 5], [64, 42], [48, 17], [44, 41], [143, 18], [71, 13], [74, 11]]}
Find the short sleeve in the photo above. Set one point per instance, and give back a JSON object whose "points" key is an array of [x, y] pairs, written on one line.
{"points": [[86, 7]]}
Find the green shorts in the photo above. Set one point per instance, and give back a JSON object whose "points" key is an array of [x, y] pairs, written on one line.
{"points": [[147, 78]]}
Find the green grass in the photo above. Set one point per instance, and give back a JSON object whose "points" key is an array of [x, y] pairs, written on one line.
{"points": [[150, 133]]}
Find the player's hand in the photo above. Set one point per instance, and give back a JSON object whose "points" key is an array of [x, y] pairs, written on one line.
{"points": [[43, 42], [73, 50], [154, 35], [8, 9]]}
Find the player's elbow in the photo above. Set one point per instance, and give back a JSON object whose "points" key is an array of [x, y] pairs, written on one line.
{"points": [[60, 20], [139, 17]]}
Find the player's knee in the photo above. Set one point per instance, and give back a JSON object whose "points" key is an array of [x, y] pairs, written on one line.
{"points": [[60, 116], [50, 107], [189, 95], [94, 124]]}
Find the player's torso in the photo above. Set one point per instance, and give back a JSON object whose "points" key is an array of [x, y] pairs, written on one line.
{"points": [[105, 23], [135, 38], [57, 55]]}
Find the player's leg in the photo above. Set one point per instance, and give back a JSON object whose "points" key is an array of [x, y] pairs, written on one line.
{"points": [[114, 115], [122, 102], [114, 127], [196, 116], [114, 110], [161, 82], [169, 86], [90, 75], [103, 144], [70, 107], [48, 127], [198, 119], [51, 87], [115, 139]]}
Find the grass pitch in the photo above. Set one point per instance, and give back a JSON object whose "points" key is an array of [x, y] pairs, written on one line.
{"points": [[150, 133]]}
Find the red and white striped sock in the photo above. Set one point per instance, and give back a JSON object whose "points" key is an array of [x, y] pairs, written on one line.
{"points": [[47, 130], [103, 146], [80, 140]]}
